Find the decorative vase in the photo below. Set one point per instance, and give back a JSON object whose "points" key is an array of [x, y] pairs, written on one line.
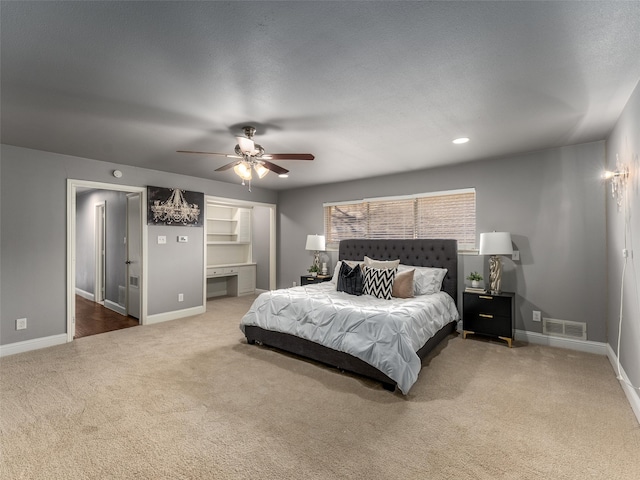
{"points": [[314, 274], [475, 283]]}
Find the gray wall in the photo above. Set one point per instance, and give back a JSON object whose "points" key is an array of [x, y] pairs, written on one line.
{"points": [[33, 237], [176, 268], [624, 142], [260, 244], [551, 201], [115, 248]]}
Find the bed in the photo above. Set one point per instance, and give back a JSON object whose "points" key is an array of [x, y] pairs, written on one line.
{"points": [[261, 323]]}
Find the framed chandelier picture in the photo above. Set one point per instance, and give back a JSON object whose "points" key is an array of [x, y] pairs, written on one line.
{"points": [[174, 206]]}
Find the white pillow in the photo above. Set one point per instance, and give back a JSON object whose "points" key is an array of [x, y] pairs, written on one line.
{"points": [[426, 280], [382, 264]]}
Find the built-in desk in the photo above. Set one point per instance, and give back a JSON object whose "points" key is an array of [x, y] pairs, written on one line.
{"points": [[231, 280]]}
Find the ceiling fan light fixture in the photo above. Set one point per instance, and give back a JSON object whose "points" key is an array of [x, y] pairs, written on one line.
{"points": [[243, 170], [261, 170]]}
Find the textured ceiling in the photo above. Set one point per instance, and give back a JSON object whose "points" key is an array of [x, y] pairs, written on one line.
{"points": [[370, 88]]}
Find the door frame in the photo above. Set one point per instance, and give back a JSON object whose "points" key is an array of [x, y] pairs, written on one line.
{"points": [[72, 187]]}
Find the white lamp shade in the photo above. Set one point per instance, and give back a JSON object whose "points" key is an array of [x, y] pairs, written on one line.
{"points": [[315, 242], [243, 170], [261, 170], [495, 243]]}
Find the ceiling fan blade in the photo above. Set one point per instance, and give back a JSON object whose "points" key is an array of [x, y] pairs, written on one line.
{"points": [[288, 156], [247, 146], [274, 168], [226, 167], [228, 155]]}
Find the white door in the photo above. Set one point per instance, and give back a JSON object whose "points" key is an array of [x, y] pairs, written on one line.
{"points": [[134, 254], [100, 229]]}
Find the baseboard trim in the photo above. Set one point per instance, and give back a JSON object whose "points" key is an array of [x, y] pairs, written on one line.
{"points": [[632, 395], [35, 344], [598, 348], [84, 294], [116, 307], [175, 315]]}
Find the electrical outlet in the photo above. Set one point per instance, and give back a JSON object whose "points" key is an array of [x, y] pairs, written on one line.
{"points": [[162, 239], [536, 316], [181, 297], [21, 324], [515, 255], [294, 284]]}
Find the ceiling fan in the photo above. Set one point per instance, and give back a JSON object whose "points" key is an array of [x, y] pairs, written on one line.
{"points": [[251, 156]]}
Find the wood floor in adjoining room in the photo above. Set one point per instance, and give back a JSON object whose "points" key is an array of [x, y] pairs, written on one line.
{"points": [[93, 318]]}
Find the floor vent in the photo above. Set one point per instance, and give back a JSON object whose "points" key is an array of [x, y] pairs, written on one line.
{"points": [[564, 328]]}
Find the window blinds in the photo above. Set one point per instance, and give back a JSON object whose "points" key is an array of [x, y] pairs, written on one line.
{"points": [[450, 214]]}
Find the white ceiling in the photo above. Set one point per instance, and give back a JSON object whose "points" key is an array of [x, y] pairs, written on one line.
{"points": [[370, 88]]}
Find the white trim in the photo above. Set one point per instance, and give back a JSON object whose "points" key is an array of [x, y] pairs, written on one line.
{"points": [[598, 348], [632, 395], [175, 315], [34, 344], [441, 193], [115, 307], [346, 202], [83, 294], [395, 198]]}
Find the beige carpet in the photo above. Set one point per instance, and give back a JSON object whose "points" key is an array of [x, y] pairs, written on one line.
{"points": [[189, 399]]}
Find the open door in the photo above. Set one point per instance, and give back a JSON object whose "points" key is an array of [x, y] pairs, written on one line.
{"points": [[100, 265], [134, 254]]}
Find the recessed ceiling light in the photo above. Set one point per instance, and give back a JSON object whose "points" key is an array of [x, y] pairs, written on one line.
{"points": [[284, 175], [461, 140]]}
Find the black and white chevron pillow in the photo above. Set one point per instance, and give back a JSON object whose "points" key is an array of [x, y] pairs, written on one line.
{"points": [[379, 282]]}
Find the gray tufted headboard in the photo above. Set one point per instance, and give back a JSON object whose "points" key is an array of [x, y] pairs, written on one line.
{"points": [[419, 252]]}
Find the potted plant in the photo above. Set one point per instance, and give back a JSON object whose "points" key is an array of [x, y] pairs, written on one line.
{"points": [[475, 278], [313, 270]]}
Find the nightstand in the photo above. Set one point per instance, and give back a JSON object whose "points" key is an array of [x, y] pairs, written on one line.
{"points": [[308, 279], [487, 314]]}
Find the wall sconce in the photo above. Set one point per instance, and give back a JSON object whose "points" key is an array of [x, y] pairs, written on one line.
{"points": [[618, 181]]}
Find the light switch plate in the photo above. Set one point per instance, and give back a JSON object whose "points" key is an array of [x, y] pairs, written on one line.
{"points": [[515, 255], [183, 239]]}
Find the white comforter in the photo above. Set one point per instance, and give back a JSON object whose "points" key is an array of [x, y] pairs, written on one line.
{"points": [[384, 333]]}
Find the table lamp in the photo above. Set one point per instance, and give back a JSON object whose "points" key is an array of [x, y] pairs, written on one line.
{"points": [[316, 244], [495, 244]]}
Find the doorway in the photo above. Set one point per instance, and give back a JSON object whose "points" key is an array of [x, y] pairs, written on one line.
{"points": [[106, 257]]}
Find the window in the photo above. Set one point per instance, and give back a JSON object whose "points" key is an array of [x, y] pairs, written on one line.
{"points": [[450, 214]]}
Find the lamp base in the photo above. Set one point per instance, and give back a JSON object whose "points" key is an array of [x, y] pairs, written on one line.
{"points": [[495, 274]]}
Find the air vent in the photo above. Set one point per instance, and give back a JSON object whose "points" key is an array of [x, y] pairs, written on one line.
{"points": [[133, 281], [564, 328]]}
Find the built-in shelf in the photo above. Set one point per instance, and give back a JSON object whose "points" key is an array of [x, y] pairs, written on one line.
{"points": [[229, 268]]}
